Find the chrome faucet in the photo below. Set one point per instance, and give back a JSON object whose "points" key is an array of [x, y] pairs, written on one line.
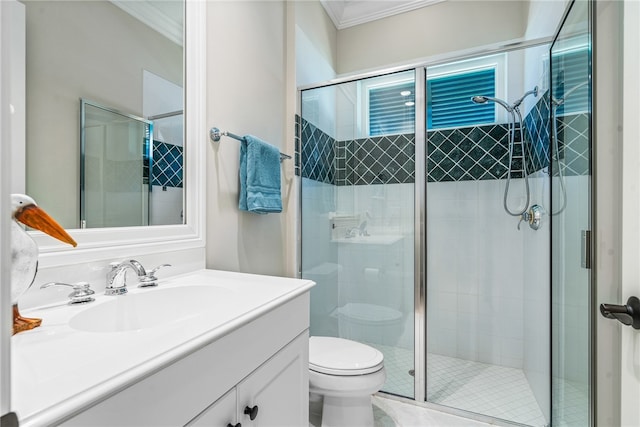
{"points": [[351, 232], [116, 277], [361, 230]]}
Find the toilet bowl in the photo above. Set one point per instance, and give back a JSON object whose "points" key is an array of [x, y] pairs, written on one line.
{"points": [[344, 374]]}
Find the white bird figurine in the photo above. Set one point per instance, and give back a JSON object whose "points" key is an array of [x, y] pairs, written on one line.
{"points": [[24, 251]]}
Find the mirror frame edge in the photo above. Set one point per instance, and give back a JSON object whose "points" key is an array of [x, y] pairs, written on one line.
{"points": [[109, 242]]}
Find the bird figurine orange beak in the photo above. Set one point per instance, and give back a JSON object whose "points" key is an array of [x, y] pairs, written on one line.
{"points": [[35, 217], [24, 252]]}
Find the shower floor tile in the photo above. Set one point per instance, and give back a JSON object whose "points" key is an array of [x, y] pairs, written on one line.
{"points": [[491, 390]]}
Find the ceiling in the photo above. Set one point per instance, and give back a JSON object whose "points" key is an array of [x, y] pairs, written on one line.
{"points": [[347, 13]]}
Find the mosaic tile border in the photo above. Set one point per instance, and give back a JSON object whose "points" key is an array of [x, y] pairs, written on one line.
{"points": [[470, 153], [473, 153], [573, 144], [296, 155], [376, 160], [317, 156], [456, 154], [167, 165], [537, 132]]}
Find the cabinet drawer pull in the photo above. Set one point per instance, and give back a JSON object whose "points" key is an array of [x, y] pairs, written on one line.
{"points": [[252, 412], [231, 425]]}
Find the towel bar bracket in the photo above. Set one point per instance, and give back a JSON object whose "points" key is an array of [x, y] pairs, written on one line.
{"points": [[214, 134]]}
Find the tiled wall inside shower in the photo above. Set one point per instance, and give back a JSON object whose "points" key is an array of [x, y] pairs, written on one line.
{"points": [[167, 165], [165, 203]]}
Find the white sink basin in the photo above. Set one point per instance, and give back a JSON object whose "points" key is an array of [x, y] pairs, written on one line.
{"points": [[150, 308]]}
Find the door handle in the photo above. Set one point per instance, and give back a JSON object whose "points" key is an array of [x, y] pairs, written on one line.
{"points": [[628, 314]]}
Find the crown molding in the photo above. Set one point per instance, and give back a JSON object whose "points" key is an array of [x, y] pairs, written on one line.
{"points": [[158, 18], [349, 13]]}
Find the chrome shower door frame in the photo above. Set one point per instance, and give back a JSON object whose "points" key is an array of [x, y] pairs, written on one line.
{"points": [[420, 230]]}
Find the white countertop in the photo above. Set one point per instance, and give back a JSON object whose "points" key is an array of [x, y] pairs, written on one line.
{"points": [[57, 369]]}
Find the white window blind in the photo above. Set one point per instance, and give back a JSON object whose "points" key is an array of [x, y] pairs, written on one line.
{"points": [[392, 109], [571, 77], [449, 99]]}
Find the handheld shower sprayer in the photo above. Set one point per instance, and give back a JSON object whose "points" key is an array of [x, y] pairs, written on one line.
{"points": [[478, 99], [514, 114]]}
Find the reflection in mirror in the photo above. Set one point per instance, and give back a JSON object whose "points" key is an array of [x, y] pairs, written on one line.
{"points": [[114, 168], [127, 55]]}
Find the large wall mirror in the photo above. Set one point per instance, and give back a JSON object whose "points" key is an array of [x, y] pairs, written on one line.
{"points": [[128, 57], [133, 58]]}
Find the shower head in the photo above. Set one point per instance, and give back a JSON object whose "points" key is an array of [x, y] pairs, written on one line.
{"points": [[479, 99]]}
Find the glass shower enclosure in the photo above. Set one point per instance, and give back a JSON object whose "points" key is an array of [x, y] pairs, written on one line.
{"points": [[357, 172], [442, 211]]}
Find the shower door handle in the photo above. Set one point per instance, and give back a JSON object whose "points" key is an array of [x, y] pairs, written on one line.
{"points": [[628, 314]]}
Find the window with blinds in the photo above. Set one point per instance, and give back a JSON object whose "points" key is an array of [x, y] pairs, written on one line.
{"points": [[392, 109], [571, 81], [449, 99]]}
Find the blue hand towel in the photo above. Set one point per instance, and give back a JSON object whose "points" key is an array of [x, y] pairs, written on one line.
{"points": [[259, 176]]}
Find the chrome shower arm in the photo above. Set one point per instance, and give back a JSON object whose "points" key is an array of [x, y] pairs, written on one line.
{"points": [[533, 92]]}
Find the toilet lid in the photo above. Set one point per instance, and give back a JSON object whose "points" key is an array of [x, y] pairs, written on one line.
{"points": [[337, 356]]}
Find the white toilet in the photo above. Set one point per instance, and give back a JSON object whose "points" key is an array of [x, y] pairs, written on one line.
{"points": [[344, 374]]}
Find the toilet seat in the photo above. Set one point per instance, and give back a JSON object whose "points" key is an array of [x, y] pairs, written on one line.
{"points": [[340, 357]]}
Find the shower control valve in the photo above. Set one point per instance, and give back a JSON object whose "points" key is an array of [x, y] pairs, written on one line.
{"points": [[533, 216]]}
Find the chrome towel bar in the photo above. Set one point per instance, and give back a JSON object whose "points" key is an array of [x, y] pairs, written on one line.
{"points": [[216, 133]]}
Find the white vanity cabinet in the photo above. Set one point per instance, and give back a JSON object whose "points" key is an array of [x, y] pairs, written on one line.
{"points": [[222, 413], [275, 394], [263, 362], [279, 389]]}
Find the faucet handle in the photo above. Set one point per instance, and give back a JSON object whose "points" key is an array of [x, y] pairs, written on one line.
{"points": [[150, 278], [153, 272], [81, 291]]}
